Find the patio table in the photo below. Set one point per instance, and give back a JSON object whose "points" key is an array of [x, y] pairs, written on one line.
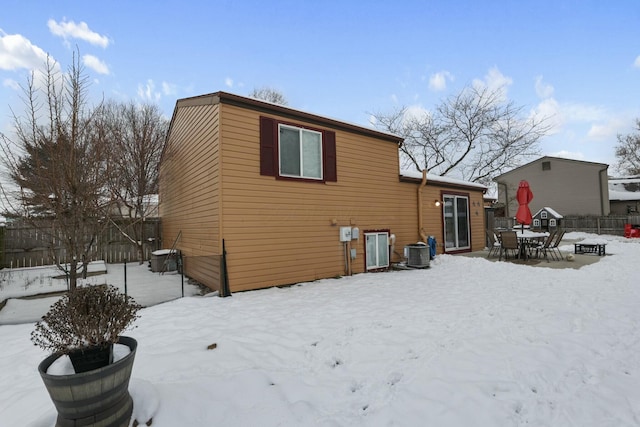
{"points": [[526, 238]]}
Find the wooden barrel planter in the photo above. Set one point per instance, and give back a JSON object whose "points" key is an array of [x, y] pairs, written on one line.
{"points": [[97, 398]]}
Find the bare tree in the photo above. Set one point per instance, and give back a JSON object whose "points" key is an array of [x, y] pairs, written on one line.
{"points": [[137, 134], [628, 151], [475, 135], [57, 160], [269, 95]]}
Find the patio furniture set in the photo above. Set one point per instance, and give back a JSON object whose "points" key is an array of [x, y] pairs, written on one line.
{"points": [[525, 244]]}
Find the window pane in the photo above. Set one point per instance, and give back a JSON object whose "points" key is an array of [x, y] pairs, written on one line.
{"points": [[383, 250], [289, 151], [462, 208], [311, 154], [449, 223], [371, 251]]}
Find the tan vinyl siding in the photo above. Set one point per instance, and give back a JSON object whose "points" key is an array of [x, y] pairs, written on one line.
{"points": [[189, 194], [280, 232], [432, 214]]}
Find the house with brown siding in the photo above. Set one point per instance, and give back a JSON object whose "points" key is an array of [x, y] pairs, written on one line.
{"points": [[255, 195]]}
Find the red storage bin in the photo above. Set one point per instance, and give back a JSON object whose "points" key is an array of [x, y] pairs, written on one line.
{"points": [[631, 230]]}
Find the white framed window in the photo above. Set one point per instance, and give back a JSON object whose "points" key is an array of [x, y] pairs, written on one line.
{"points": [[552, 222], [536, 223], [543, 215], [377, 249], [300, 152]]}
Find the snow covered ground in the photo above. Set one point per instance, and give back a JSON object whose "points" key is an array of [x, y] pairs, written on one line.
{"points": [[145, 287], [466, 342]]}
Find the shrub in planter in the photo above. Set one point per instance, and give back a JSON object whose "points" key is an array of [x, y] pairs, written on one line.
{"points": [[85, 323]]}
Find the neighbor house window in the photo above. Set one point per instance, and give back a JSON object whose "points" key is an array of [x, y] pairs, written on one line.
{"points": [[543, 215], [377, 249], [546, 166], [300, 152], [552, 222], [536, 223], [297, 151]]}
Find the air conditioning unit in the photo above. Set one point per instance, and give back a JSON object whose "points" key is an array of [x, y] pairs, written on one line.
{"points": [[417, 255]]}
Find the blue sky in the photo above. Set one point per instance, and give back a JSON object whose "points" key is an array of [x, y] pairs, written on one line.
{"points": [[576, 62]]}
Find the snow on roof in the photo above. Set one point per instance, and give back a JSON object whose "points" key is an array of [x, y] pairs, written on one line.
{"points": [[551, 211], [624, 188], [442, 179]]}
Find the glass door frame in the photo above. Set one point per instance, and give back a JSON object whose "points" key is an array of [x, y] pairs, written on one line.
{"points": [[453, 197]]}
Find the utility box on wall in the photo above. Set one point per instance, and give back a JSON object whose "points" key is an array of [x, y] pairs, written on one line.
{"points": [[345, 234]]}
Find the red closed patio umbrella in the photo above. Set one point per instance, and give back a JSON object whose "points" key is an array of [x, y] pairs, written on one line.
{"points": [[524, 196]]}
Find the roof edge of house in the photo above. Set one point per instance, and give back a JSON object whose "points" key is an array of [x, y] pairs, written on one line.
{"points": [[284, 111], [431, 181], [540, 159]]}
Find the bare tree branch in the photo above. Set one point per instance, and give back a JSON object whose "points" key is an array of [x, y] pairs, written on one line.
{"points": [[474, 135], [628, 151], [58, 162]]}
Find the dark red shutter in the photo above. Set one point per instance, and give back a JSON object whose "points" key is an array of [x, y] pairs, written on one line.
{"points": [[268, 146], [329, 156]]}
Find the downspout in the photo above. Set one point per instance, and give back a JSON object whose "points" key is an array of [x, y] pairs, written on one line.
{"points": [[506, 198], [602, 201], [421, 231]]}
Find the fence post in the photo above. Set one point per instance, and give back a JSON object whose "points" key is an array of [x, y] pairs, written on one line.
{"points": [[181, 270], [125, 277]]}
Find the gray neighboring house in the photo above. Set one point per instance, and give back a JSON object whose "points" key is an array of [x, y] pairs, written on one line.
{"points": [[624, 195], [573, 187]]}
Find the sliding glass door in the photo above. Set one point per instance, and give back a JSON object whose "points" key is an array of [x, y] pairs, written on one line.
{"points": [[457, 234]]}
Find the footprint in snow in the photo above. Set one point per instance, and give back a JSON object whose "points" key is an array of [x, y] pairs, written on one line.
{"points": [[145, 401]]}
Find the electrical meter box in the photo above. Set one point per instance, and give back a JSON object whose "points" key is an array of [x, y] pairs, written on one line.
{"points": [[345, 234], [355, 233]]}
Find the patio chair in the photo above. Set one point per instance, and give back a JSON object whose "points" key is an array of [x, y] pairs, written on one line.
{"points": [[493, 242], [553, 248], [544, 246], [508, 242]]}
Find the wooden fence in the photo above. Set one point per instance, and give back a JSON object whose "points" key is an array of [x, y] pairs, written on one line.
{"points": [[612, 224], [22, 245]]}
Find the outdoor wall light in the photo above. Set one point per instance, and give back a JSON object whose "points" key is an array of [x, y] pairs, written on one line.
{"points": [[438, 203]]}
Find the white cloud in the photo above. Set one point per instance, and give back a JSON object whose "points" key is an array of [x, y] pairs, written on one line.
{"points": [[69, 29], [148, 91], [494, 80], [417, 112], [550, 112], [18, 52], [568, 155], [543, 90], [228, 82], [607, 131], [169, 89], [583, 112], [10, 83], [95, 64], [637, 62], [438, 81]]}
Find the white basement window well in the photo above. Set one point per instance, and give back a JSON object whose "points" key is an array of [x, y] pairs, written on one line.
{"points": [[377, 250]]}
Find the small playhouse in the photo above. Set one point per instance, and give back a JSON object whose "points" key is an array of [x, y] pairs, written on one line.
{"points": [[546, 219]]}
